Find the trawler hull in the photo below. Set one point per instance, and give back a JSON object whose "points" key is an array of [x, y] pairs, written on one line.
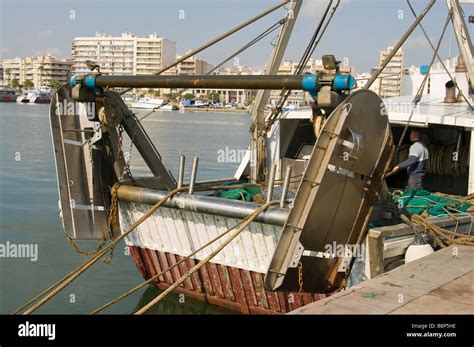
{"points": [[234, 279], [224, 286]]}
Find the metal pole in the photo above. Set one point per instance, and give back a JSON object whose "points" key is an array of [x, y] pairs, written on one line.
{"points": [[262, 97], [203, 81], [399, 44], [271, 181], [286, 184], [182, 161], [220, 38], [192, 180]]}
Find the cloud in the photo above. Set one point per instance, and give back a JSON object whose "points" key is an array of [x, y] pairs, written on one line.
{"points": [[417, 42], [45, 33], [312, 7], [57, 52]]}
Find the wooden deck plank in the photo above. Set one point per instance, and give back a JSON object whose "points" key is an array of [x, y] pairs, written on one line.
{"points": [[445, 275]]}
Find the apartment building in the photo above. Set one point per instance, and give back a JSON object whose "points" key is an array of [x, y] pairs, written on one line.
{"points": [[44, 70], [12, 70], [390, 83], [193, 66], [123, 55]]}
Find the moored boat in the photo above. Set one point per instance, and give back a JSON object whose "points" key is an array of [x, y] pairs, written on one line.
{"points": [[324, 169], [8, 94], [27, 96]]}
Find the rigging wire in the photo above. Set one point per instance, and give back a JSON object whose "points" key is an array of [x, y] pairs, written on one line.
{"points": [[249, 44], [313, 43], [419, 93], [439, 58]]}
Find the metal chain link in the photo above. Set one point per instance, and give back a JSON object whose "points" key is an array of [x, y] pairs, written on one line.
{"points": [[300, 276]]}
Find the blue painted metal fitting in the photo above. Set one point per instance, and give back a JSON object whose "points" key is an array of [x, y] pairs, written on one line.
{"points": [[309, 84], [343, 82], [73, 81], [424, 69], [89, 82]]}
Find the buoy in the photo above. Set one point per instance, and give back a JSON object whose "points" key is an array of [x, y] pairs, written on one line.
{"points": [[418, 249]]}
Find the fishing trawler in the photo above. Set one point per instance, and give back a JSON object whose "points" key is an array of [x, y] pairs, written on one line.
{"points": [[313, 177]]}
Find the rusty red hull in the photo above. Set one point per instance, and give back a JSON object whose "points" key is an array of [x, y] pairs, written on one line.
{"points": [[229, 287]]}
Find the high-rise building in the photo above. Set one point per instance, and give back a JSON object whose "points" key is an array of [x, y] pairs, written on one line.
{"points": [[12, 71], [44, 70], [47, 70], [123, 55], [391, 79], [193, 66]]}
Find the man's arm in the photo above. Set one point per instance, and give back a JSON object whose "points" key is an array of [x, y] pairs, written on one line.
{"points": [[412, 159]]}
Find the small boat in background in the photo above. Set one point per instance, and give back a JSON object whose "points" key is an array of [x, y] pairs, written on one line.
{"points": [[151, 103], [26, 96], [8, 94], [36, 96], [41, 98]]}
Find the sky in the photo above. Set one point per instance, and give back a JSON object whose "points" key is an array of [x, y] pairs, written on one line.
{"points": [[359, 30]]}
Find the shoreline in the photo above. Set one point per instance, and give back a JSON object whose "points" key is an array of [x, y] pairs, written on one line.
{"points": [[215, 110]]}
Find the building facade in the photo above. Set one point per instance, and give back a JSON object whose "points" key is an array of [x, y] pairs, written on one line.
{"points": [[123, 55], [193, 66], [436, 82], [390, 83], [42, 71]]}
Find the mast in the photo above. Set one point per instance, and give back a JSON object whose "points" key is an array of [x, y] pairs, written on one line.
{"points": [[261, 99], [462, 37]]}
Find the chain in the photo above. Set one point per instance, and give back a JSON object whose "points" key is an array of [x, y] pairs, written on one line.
{"points": [[126, 168], [300, 276], [120, 141], [113, 218]]}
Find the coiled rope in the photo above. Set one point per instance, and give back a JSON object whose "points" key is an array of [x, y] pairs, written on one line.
{"points": [[440, 161]]}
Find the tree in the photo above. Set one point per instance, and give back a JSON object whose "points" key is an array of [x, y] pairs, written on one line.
{"points": [[41, 70], [171, 96], [214, 97], [55, 84], [203, 97], [188, 96], [28, 84], [15, 84], [7, 72]]}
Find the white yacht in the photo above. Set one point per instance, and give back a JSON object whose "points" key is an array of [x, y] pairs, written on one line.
{"points": [[150, 103], [26, 96]]}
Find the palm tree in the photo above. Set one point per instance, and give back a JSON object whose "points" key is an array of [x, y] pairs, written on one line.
{"points": [[27, 84], [15, 84]]}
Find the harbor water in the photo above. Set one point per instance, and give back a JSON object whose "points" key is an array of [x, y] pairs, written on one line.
{"points": [[29, 208]]}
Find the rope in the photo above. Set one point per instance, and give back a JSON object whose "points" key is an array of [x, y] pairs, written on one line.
{"points": [[446, 237], [437, 163], [67, 279], [195, 268], [58, 286], [151, 279]]}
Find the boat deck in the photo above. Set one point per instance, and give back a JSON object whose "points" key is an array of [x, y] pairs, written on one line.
{"points": [[441, 283]]}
